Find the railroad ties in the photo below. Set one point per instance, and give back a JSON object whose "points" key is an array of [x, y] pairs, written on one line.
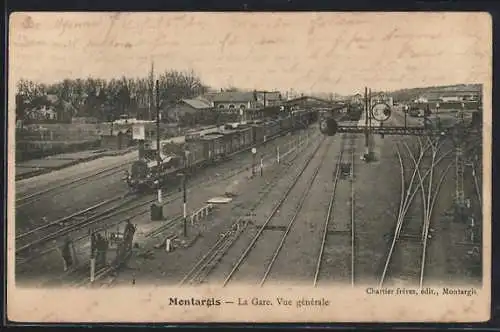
{"points": [[407, 234]]}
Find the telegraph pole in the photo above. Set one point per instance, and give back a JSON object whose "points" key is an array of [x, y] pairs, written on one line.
{"points": [[366, 122], [184, 204], [369, 109], [158, 155], [459, 160], [151, 90]]}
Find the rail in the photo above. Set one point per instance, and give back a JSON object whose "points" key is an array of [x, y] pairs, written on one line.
{"points": [[274, 211], [407, 197], [476, 184], [328, 215], [102, 216], [292, 220], [126, 212], [202, 267], [33, 197]]}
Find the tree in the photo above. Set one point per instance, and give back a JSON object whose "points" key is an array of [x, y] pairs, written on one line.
{"points": [[175, 85], [103, 99]]}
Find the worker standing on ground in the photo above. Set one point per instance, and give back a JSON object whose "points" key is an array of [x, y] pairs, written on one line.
{"points": [[128, 235], [66, 254]]}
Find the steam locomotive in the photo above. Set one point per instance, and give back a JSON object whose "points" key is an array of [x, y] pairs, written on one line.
{"points": [[198, 149]]}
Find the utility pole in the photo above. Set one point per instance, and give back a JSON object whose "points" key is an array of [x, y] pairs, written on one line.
{"points": [[406, 110], [366, 122], [184, 201], [459, 160], [370, 110], [151, 89], [158, 155], [254, 152]]}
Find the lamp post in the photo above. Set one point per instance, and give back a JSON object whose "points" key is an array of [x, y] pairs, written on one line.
{"points": [[254, 152], [184, 204], [438, 117], [184, 194], [406, 110]]}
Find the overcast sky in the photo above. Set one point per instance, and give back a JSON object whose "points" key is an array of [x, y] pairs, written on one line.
{"points": [[323, 52]]}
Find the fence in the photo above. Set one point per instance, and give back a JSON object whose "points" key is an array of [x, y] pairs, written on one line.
{"points": [[201, 213]]}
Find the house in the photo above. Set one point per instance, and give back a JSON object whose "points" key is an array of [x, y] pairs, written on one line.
{"points": [[357, 98], [193, 108], [448, 96], [381, 98], [41, 113], [234, 101], [429, 98], [266, 99]]}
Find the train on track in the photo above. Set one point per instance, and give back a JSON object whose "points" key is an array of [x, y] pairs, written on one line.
{"points": [[198, 149], [347, 112]]}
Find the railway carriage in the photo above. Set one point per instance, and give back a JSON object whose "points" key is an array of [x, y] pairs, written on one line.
{"points": [[205, 147], [246, 138], [235, 140], [195, 156], [258, 132]]}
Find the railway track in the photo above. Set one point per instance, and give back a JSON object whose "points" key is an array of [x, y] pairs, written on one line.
{"points": [[405, 261], [274, 212], [26, 241], [36, 196], [62, 226], [79, 231], [206, 264], [75, 214], [477, 186], [329, 230]]}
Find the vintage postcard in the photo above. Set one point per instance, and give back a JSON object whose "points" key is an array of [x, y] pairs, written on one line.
{"points": [[249, 167]]}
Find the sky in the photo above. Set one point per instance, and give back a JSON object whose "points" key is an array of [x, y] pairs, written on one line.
{"points": [[308, 52]]}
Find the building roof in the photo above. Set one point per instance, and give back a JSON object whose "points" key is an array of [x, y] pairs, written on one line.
{"points": [[270, 96], [234, 96], [52, 98], [209, 95], [197, 103]]}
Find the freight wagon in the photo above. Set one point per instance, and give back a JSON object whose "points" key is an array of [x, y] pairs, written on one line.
{"points": [[198, 149]]}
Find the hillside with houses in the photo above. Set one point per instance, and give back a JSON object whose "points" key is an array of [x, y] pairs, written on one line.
{"points": [[447, 93]]}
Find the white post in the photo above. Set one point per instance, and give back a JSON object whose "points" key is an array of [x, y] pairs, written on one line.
{"points": [[184, 210], [92, 269], [261, 165], [167, 245], [472, 221], [159, 196], [278, 154]]}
